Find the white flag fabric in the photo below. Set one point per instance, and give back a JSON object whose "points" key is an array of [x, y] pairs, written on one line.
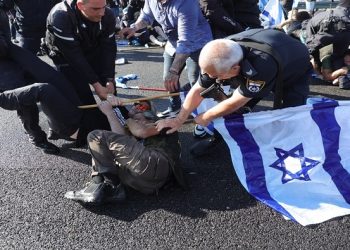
{"points": [[272, 14], [295, 160]]}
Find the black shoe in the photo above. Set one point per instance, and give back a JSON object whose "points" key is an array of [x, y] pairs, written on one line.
{"points": [[52, 135], [92, 193], [98, 193], [47, 147], [114, 193], [204, 146]]}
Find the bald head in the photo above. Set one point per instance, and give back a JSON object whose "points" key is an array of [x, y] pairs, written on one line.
{"points": [[220, 55]]}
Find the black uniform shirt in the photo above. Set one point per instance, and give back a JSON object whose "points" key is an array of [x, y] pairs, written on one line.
{"points": [[81, 43], [257, 75]]}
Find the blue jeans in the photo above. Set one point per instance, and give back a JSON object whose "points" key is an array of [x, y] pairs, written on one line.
{"points": [[192, 73]]}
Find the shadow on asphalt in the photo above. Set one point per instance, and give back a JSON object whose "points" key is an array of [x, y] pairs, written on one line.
{"points": [[212, 186], [68, 151], [331, 96]]}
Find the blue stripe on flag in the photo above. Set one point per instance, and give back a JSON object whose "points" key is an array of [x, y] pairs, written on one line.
{"points": [[268, 15], [253, 163], [330, 131]]}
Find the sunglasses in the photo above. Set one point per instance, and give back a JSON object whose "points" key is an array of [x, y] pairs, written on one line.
{"points": [[141, 107]]}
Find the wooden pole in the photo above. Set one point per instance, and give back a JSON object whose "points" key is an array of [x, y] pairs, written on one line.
{"points": [[133, 100]]}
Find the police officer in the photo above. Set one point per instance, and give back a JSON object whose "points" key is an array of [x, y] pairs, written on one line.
{"points": [[13, 75], [227, 17], [30, 21], [80, 39], [329, 27], [25, 80], [256, 73]]}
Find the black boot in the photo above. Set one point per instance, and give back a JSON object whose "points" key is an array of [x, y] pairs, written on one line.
{"points": [[205, 146], [46, 147]]}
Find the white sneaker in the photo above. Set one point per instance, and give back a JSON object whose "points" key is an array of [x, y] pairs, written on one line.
{"points": [[168, 113], [199, 132]]}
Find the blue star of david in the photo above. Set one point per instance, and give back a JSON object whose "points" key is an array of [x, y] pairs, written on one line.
{"points": [[296, 153]]}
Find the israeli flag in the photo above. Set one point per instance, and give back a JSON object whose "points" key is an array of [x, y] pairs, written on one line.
{"points": [[272, 14], [262, 4], [295, 160]]}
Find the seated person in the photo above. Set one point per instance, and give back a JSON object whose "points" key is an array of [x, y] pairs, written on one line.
{"points": [[335, 69], [139, 157], [293, 24], [150, 35]]}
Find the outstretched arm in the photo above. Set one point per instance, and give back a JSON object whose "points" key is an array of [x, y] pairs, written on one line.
{"points": [[192, 101], [107, 109]]}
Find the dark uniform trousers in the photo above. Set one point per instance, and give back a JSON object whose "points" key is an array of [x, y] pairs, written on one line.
{"points": [[63, 116], [40, 72]]}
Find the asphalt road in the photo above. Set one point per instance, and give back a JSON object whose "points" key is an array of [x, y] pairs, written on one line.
{"points": [[216, 213]]}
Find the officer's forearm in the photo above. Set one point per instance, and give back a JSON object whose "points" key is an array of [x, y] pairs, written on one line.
{"points": [[178, 63], [192, 101], [226, 107]]}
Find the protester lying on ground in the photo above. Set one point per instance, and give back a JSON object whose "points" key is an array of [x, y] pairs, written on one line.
{"points": [[138, 156], [337, 75], [149, 35], [255, 72], [331, 26]]}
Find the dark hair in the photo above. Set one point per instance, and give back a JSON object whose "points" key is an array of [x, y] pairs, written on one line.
{"points": [[302, 16]]}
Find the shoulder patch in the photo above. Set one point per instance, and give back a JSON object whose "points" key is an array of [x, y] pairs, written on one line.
{"points": [[255, 86]]}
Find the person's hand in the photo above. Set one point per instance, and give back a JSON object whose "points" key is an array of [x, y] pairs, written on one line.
{"points": [[101, 91], [173, 123], [200, 120], [110, 87], [105, 107], [127, 32], [113, 100], [171, 82]]}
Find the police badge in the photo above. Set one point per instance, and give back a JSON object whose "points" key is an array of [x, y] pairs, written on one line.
{"points": [[255, 86]]}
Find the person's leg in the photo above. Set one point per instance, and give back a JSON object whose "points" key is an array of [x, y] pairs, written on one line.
{"points": [[136, 166], [81, 87], [62, 116], [104, 186], [175, 102], [297, 93]]}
